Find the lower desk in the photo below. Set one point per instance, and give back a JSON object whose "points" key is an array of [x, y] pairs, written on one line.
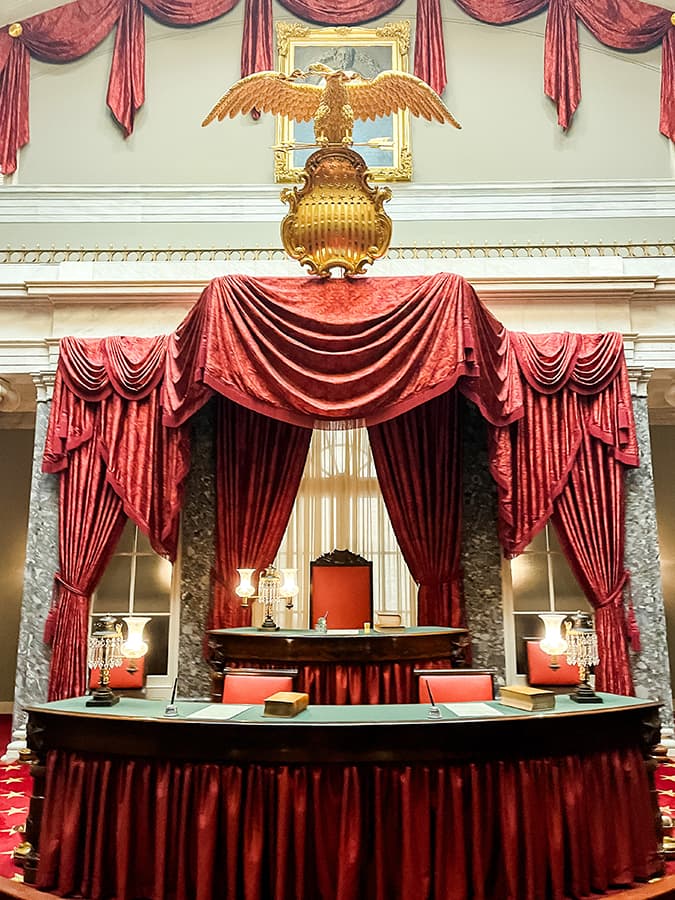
{"points": [[340, 666], [342, 802]]}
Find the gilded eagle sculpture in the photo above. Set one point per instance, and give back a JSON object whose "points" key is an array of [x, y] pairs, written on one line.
{"points": [[344, 97], [336, 219]]}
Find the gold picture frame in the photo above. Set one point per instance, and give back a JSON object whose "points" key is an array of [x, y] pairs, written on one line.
{"points": [[367, 51]]}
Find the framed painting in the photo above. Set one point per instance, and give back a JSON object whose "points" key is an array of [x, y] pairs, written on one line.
{"points": [[383, 143]]}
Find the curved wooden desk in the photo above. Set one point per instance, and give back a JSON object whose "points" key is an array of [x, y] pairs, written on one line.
{"points": [[340, 667], [367, 803]]}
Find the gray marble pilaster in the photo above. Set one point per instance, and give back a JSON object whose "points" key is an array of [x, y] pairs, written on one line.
{"points": [[481, 553], [197, 556], [651, 669], [42, 561]]}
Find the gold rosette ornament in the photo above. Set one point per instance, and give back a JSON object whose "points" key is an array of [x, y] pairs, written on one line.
{"points": [[336, 219]]}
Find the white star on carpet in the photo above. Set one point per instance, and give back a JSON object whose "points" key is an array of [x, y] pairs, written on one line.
{"points": [[11, 780], [15, 829], [12, 794], [15, 810], [9, 768]]}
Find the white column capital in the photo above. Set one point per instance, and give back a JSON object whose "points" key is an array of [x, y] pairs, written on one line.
{"points": [[44, 385], [639, 376]]}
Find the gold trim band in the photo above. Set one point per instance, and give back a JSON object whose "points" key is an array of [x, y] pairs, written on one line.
{"points": [[38, 255]]}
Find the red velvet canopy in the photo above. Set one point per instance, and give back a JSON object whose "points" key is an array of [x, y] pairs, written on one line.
{"points": [[308, 353]]}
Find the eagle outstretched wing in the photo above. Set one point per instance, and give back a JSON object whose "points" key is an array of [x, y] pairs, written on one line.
{"points": [[271, 92], [392, 91]]}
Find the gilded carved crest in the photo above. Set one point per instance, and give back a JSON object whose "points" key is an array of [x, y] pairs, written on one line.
{"points": [[336, 219]]}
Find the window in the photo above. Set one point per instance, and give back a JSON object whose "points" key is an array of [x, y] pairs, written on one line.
{"points": [[138, 582], [538, 581], [339, 505]]}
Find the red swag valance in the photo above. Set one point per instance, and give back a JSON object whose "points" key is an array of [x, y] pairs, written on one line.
{"points": [[311, 353]]}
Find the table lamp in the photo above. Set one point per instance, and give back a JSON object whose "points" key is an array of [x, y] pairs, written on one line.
{"points": [[105, 653], [553, 642], [272, 587], [135, 646], [582, 651]]}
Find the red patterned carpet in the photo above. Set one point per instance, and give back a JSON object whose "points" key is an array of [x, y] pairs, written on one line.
{"points": [[15, 786]]}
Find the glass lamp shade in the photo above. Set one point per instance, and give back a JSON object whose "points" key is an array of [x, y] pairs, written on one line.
{"points": [[135, 647], [245, 588], [553, 642], [289, 586]]}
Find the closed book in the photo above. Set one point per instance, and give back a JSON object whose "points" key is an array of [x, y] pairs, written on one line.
{"points": [[285, 704], [528, 698]]}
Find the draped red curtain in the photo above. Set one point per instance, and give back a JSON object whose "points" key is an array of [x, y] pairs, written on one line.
{"points": [[204, 831], [91, 519], [577, 408], [418, 461], [116, 459], [259, 463], [589, 519], [292, 354]]}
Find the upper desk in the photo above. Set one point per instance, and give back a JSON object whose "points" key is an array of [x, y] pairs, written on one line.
{"points": [[342, 802], [340, 666]]}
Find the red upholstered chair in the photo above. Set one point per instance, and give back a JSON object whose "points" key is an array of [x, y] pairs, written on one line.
{"points": [[130, 676], [341, 583], [540, 673], [255, 685], [455, 685]]}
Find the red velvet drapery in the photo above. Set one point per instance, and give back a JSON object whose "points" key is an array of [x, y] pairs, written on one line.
{"points": [[588, 517], [204, 831], [259, 463], [116, 459], [72, 30], [307, 353], [418, 461], [91, 522]]}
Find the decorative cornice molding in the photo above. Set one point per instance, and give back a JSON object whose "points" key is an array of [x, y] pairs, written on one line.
{"points": [[411, 203], [507, 288], [38, 256]]}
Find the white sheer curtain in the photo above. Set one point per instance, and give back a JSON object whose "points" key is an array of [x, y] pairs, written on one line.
{"points": [[339, 505]]}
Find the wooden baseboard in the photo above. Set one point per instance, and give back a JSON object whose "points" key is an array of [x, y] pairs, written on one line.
{"points": [[6, 707]]}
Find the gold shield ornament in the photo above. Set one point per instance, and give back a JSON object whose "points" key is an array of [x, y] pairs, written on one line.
{"points": [[336, 219]]}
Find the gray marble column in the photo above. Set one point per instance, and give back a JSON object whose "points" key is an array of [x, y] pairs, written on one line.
{"points": [[197, 556], [481, 553], [651, 669], [42, 560]]}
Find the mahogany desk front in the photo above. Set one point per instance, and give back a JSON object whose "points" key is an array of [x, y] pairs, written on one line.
{"points": [[340, 666], [342, 802]]}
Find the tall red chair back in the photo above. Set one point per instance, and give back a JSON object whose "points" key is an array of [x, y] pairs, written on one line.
{"points": [[249, 688], [127, 677], [540, 673], [341, 584], [455, 686]]}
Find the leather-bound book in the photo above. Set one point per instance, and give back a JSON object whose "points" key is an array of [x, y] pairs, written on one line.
{"points": [[525, 697], [285, 704]]}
